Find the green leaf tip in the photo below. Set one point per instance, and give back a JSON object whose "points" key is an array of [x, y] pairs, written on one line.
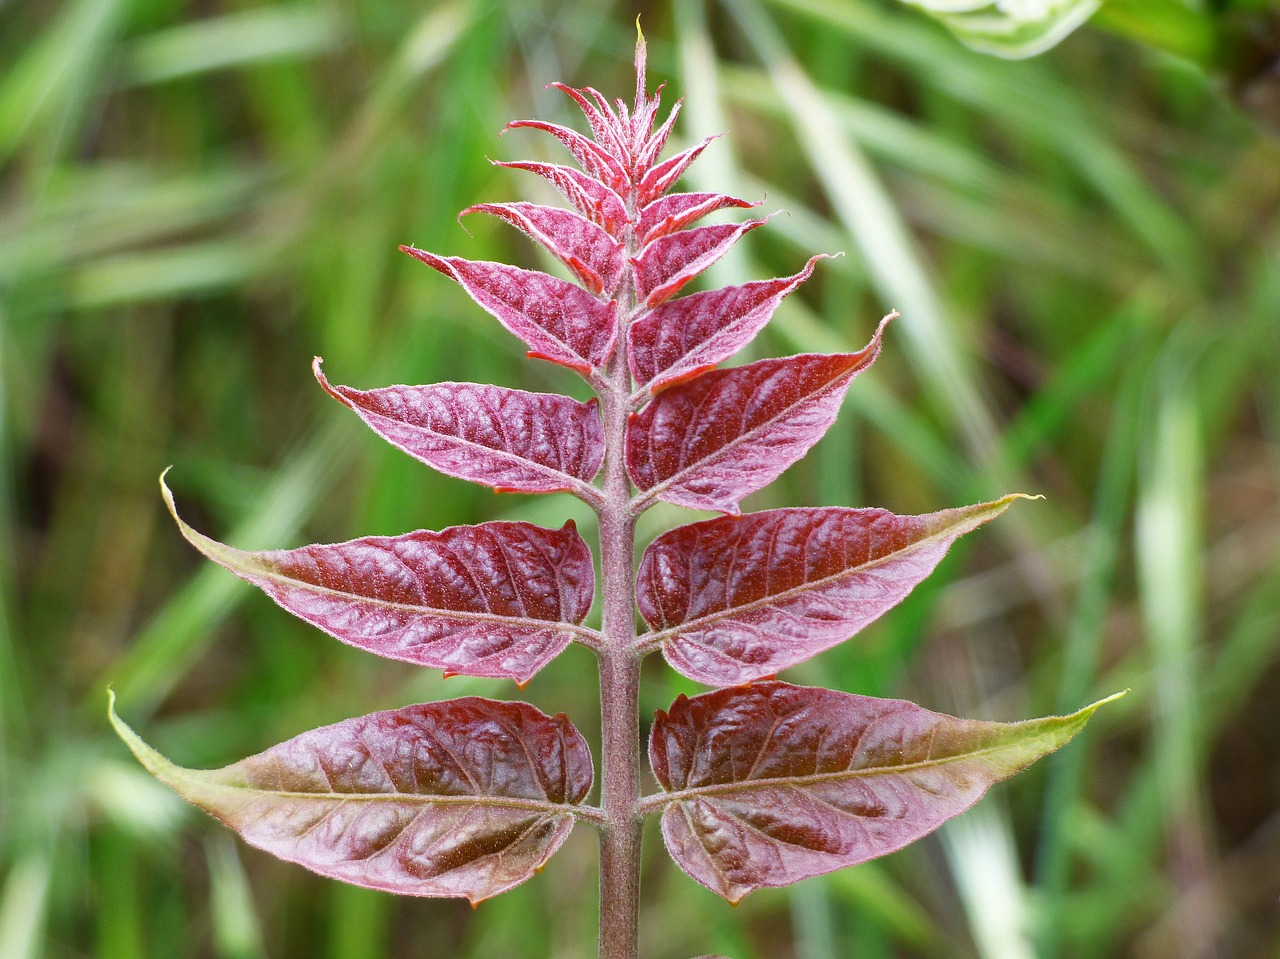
{"points": [[228, 556], [151, 760]]}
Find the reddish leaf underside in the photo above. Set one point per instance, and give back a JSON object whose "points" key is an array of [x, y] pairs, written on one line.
{"points": [[595, 258], [593, 199], [509, 439], [681, 338], [498, 600], [707, 443], [595, 161], [661, 177], [462, 798], [734, 599], [771, 783], [677, 210], [560, 322], [671, 261]]}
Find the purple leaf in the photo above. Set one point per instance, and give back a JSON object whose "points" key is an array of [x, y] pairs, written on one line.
{"points": [[463, 798], [708, 443], [659, 179], [499, 599], [658, 139], [560, 322], [593, 199], [680, 339], [593, 255], [671, 261], [769, 784], [733, 599], [670, 213], [593, 159], [508, 439], [604, 125]]}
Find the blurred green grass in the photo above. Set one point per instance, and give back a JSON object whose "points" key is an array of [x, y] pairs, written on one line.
{"points": [[199, 198]]}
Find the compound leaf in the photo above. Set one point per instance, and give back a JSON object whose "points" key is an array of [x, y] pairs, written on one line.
{"points": [[512, 440], [733, 599], [499, 599], [462, 798], [771, 783]]}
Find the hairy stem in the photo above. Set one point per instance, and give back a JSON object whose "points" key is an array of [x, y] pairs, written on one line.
{"points": [[619, 692]]}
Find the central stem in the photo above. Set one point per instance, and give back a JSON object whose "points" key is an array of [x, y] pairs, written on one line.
{"points": [[619, 691]]}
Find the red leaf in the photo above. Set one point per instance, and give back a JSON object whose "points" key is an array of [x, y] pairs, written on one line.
{"points": [[593, 199], [675, 339], [498, 599], [659, 179], [708, 443], [734, 599], [593, 255], [769, 784], [507, 439], [670, 262], [670, 213], [561, 322], [462, 798], [604, 125], [594, 160], [658, 139]]}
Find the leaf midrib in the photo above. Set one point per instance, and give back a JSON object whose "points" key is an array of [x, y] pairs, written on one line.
{"points": [[684, 473], [423, 610], [574, 483], [505, 802], [682, 795], [660, 637]]}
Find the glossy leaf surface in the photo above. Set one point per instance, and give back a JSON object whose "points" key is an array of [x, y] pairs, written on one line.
{"points": [[681, 338], [511, 440], [671, 261], [462, 798], [733, 599], [771, 783], [708, 443], [498, 599], [595, 257], [559, 321]]}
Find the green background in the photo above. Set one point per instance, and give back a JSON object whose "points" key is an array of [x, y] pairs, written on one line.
{"points": [[198, 197]]}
